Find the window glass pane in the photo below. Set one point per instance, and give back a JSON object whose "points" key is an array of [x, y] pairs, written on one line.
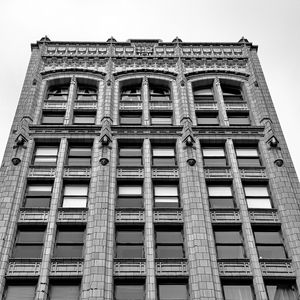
{"points": [[130, 190], [128, 237], [163, 161], [238, 292], [204, 91], [208, 120], [80, 151], [242, 120], [272, 252], [30, 237], [44, 160], [129, 292], [282, 292], [84, 119], [169, 237], [173, 251], [76, 190], [230, 252], [39, 189], [64, 292], [166, 199], [221, 203], [79, 161], [259, 203], [256, 191], [68, 251], [163, 152], [129, 202], [215, 162], [207, 152], [17, 292], [130, 161], [246, 152], [228, 237], [249, 162], [53, 119], [173, 292], [74, 202], [130, 120], [268, 237], [130, 152], [37, 202], [161, 120], [70, 236], [43, 151], [130, 251], [165, 191], [219, 191], [27, 251]]}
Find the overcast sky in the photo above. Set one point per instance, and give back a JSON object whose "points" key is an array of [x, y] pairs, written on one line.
{"points": [[271, 24]]}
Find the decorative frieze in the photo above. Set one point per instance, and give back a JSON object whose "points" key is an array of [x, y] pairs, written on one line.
{"points": [[234, 268], [126, 267], [66, 267], [171, 267], [19, 267]]}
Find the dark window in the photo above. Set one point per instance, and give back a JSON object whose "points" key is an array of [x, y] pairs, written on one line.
{"points": [[204, 94], [86, 93], [79, 156], [53, 118], [161, 119], [231, 94], [131, 93], [282, 291], [129, 243], [173, 291], [75, 195], [130, 119], [214, 157], [169, 243], [129, 291], [269, 244], [247, 157], [130, 156], [129, 196], [208, 119], [64, 291], [29, 243], [220, 196], [163, 157], [45, 155], [166, 196], [80, 118], [58, 93], [69, 242], [257, 196], [38, 195], [159, 93], [229, 244], [16, 291], [238, 119], [238, 292]]}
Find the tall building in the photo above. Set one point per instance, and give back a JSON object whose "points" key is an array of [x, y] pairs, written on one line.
{"points": [[147, 170]]}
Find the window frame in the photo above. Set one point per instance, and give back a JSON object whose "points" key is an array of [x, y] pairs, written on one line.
{"points": [[236, 284], [252, 158], [78, 157], [64, 95], [163, 157], [75, 196], [35, 155], [38, 194], [82, 115], [172, 282], [167, 185], [165, 95], [161, 118], [19, 283], [283, 283], [124, 157], [53, 115], [123, 197], [232, 97], [262, 197], [131, 96], [241, 116], [222, 158], [93, 95], [138, 282], [130, 116], [204, 97], [208, 116], [222, 198]]}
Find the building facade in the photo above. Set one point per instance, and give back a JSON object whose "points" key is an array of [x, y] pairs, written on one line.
{"points": [[148, 170]]}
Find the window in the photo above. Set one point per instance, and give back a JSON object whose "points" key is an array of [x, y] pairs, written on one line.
{"points": [[129, 243], [129, 196], [220, 196], [75, 195], [257, 196], [159, 93], [15, 291], [69, 242], [83, 118], [231, 93], [130, 156], [229, 244], [64, 291], [129, 290], [58, 93], [29, 243], [163, 157], [130, 119], [161, 119], [38, 195], [209, 119], [214, 157], [131, 93], [204, 93], [166, 196], [173, 291], [79, 156], [238, 292], [45, 155], [53, 118], [269, 244], [238, 119], [86, 93], [247, 157], [282, 291], [169, 243]]}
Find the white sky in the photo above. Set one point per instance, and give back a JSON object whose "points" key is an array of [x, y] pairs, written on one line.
{"points": [[273, 25]]}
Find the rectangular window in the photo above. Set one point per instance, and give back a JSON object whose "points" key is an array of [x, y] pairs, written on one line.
{"points": [[130, 156], [257, 197], [163, 157], [53, 118], [86, 93], [159, 93], [64, 291], [129, 243], [129, 290], [29, 243], [75, 195], [166, 196], [247, 157], [69, 242], [130, 119], [220, 196], [58, 93], [229, 244], [130, 196], [131, 93], [214, 157], [238, 292], [79, 156], [173, 291], [269, 244], [204, 94], [15, 291], [238, 120], [207, 119], [45, 155], [282, 291], [231, 93], [38, 195], [83, 119], [161, 119], [169, 243]]}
